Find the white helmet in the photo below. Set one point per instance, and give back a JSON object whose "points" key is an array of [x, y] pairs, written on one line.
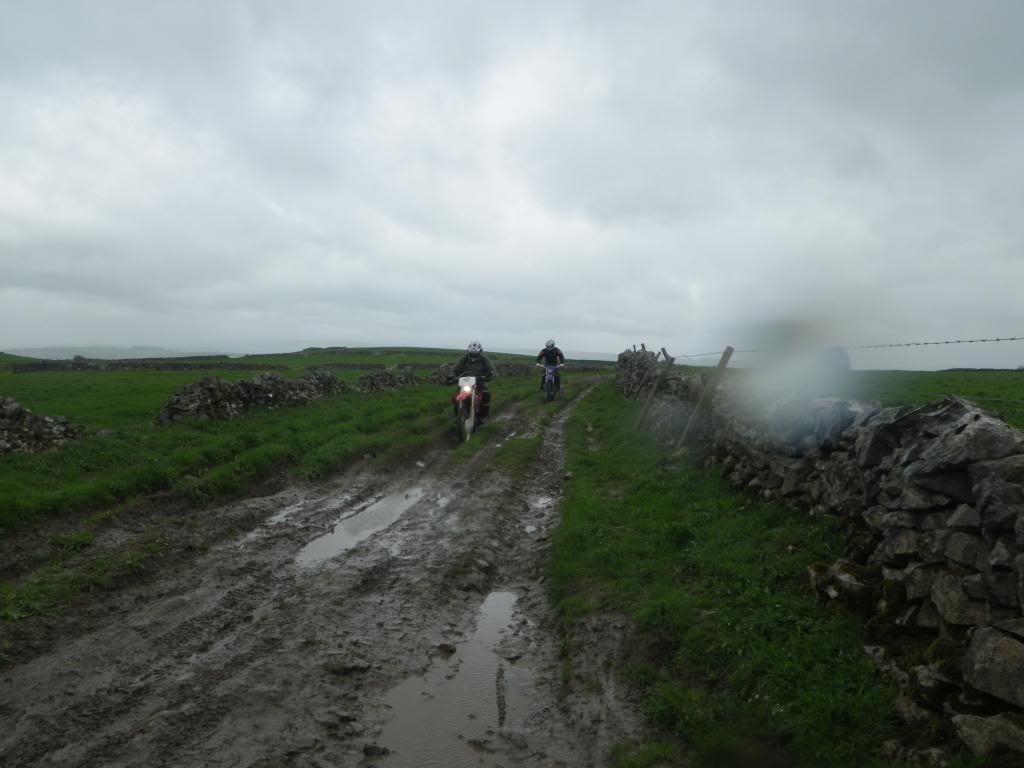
{"points": [[549, 343], [475, 348]]}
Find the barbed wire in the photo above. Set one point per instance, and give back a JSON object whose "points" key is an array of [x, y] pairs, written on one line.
{"points": [[936, 343], [880, 346], [714, 354]]}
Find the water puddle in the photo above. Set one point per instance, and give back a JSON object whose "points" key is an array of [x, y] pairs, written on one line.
{"points": [[358, 526], [276, 519], [284, 514], [505, 439], [458, 715]]}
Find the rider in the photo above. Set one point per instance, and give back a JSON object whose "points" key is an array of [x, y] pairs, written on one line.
{"points": [[551, 355], [476, 363]]}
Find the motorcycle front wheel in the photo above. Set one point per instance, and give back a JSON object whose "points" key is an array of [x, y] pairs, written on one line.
{"points": [[549, 390], [464, 421]]}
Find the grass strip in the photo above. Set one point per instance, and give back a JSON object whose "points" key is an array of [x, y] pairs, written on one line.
{"points": [[740, 664]]}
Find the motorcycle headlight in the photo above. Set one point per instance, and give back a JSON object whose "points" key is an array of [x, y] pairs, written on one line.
{"points": [[467, 389]]}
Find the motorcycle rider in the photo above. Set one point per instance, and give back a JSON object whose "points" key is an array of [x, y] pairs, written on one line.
{"points": [[551, 355], [476, 363]]}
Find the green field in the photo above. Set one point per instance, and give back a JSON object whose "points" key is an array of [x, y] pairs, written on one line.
{"points": [[736, 658], [127, 458], [126, 454], [1000, 392], [993, 390]]}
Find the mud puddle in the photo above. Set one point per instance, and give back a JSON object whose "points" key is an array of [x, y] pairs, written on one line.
{"points": [[467, 709], [241, 656], [357, 526]]}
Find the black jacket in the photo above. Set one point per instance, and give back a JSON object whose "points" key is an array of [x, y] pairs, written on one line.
{"points": [[551, 356], [481, 366]]}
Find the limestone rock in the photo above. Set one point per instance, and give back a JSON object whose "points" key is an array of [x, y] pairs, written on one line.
{"points": [[22, 431], [898, 547], [919, 578], [968, 550], [964, 517], [1013, 627], [1003, 554], [999, 490], [994, 664], [984, 735], [953, 603]]}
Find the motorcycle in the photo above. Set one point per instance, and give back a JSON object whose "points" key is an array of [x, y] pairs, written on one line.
{"points": [[550, 384], [467, 401]]}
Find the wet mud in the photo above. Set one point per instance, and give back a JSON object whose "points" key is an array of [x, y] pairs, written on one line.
{"points": [[469, 707], [376, 620]]}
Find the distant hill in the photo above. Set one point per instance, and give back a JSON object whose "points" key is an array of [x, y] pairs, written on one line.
{"points": [[102, 353], [983, 370]]}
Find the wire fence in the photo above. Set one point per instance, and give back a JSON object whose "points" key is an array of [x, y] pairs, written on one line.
{"points": [[906, 387], [891, 345]]}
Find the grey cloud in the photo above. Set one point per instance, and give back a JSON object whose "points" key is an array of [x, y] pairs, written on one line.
{"points": [[246, 172]]}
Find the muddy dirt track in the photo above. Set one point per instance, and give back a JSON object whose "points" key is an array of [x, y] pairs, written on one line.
{"points": [[374, 620]]}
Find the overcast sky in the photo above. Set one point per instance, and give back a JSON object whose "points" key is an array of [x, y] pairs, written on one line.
{"points": [[263, 175]]}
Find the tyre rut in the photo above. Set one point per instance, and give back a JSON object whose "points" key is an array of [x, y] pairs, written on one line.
{"points": [[246, 657]]}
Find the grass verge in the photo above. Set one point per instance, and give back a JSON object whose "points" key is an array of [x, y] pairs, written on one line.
{"points": [[739, 663]]}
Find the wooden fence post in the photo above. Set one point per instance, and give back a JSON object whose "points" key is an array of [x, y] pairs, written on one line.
{"points": [[669, 362], [705, 398]]}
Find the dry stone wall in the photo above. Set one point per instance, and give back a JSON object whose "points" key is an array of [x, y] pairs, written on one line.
{"points": [[22, 431], [81, 365], [932, 498], [387, 381], [633, 369], [347, 367], [215, 398]]}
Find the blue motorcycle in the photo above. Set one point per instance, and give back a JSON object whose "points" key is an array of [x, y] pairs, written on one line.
{"points": [[551, 385]]}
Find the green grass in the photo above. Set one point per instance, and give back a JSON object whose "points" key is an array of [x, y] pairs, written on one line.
{"points": [[739, 659], [98, 479], [987, 388], [7, 359], [55, 584], [214, 459], [517, 453], [127, 455]]}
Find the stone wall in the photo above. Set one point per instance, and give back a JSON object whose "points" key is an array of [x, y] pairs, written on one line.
{"points": [[215, 398], [387, 381], [634, 368], [79, 366], [932, 501], [347, 367], [22, 431]]}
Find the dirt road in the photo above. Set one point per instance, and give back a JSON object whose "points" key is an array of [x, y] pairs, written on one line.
{"points": [[384, 620]]}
